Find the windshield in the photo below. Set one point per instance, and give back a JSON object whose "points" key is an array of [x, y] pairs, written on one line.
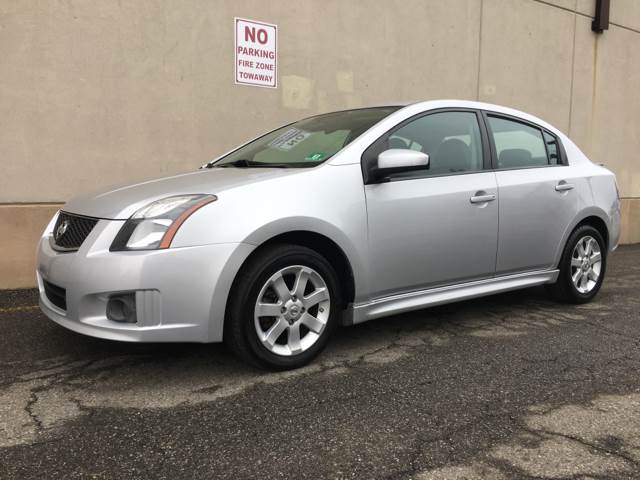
{"points": [[306, 143]]}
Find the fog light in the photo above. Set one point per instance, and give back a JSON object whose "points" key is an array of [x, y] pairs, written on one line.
{"points": [[122, 308]]}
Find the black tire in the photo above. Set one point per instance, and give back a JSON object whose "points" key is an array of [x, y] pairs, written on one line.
{"points": [[564, 289], [240, 332]]}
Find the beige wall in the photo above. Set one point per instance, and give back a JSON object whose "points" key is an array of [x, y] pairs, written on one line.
{"points": [[95, 93], [22, 225]]}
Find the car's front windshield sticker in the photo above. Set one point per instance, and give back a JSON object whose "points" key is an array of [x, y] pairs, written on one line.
{"points": [[315, 157]]}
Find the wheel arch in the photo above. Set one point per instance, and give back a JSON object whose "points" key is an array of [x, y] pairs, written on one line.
{"points": [[322, 237], [591, 216], [326, 247], [599, 224]]}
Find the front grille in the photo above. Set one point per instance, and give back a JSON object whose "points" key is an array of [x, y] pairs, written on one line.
{"points": [[56, 295], [71, 230]]}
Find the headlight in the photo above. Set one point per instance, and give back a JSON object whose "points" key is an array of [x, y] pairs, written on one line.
{"points": [[154, 226]]}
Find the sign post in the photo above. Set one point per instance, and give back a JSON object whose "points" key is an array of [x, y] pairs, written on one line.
{"points": [[256, 53]]}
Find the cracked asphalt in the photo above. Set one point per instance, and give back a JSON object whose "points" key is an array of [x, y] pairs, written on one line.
{"points": [[510, 386]]}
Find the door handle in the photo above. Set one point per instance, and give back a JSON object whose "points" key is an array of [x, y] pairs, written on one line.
{"points": [[489, 197], [563, 186]]}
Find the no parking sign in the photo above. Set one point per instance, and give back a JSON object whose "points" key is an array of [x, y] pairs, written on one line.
{"points": [[256, 53]]}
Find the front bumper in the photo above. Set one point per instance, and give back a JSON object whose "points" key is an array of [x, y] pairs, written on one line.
{"points": [[180, 293]]}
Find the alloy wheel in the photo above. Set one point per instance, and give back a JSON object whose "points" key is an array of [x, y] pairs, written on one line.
{"points": [[586, 264], [292, 310]]}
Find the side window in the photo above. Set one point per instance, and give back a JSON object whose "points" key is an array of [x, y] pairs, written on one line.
{"points": [[552, 148], [451, 139], [517, 145]]}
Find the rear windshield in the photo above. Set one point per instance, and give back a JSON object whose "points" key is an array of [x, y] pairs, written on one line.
{"points": [[305, 143]]}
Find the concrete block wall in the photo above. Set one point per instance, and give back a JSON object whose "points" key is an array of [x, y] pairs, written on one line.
{"points": [[97, 93]]}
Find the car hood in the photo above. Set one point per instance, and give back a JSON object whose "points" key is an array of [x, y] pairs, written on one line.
{"points": [[120, 202]]}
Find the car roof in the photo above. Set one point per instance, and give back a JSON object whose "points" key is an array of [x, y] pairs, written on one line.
{"points": [[454, 103], [416, 107]]}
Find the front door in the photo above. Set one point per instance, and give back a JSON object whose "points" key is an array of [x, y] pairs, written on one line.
{"points": [[437, 226]]}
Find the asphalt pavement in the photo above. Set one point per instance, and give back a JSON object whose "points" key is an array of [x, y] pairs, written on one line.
{"points": [[510, 386]]}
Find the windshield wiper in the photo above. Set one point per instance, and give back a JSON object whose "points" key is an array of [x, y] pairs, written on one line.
{"points": [[243, 163]]}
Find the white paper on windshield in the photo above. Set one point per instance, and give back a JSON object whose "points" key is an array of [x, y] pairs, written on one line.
{"points": [[289, 139]]}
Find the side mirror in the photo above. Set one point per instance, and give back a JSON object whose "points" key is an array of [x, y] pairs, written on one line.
{"points": [[398, 160]]}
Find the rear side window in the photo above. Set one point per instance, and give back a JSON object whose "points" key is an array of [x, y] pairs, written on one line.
{"points": [[552, 149], [519, 145]]}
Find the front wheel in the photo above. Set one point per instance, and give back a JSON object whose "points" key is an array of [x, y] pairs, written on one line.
{"points": [[582, 266], [283, 307]]}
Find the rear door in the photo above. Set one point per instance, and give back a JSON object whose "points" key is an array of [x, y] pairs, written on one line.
{"points": [[537, 198], [437, 226]]}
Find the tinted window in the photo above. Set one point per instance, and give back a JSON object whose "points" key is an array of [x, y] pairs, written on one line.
{"points": [[552, 148], [306, 143], [451, 139], [517, 145]]}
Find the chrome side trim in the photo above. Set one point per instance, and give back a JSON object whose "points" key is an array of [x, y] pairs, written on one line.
{"points": [[437, 296]]}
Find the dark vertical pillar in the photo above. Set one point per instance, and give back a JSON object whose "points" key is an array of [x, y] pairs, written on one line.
{"points": [[601, 20]]}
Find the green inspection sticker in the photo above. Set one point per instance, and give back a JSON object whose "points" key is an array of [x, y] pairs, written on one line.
{"points": [[315, 157]]}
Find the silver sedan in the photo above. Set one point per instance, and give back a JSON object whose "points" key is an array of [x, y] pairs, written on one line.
{"points": [[335, 219]]}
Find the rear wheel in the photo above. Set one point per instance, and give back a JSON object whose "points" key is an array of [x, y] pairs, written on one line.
{"points": [[582, 267], [283, 307]]}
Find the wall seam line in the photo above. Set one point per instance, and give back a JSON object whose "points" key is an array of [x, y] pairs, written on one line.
{"points": [[573, 69], [631, 29], [479, 50], [560, 7], [24, 204]]}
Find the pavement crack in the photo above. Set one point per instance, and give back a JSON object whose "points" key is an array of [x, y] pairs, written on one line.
{"points": [[33, 399], [607, 451], [630, 338]]}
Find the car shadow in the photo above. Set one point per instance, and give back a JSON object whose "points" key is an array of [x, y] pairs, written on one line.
{"points": [[376, 333]]}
